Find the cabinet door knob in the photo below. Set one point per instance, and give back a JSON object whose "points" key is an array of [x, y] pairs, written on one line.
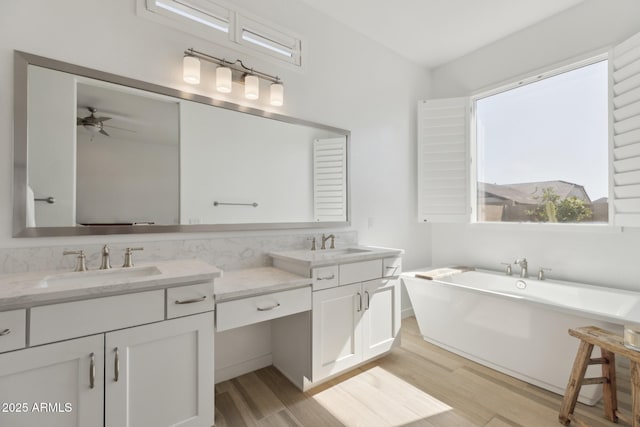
{"points": [[116, 366], [92, 370]]}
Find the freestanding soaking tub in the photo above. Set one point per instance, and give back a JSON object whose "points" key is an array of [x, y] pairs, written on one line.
{"points": [[518, 326]]}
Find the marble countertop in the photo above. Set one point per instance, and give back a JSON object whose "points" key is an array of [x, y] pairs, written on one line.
{"points": [[256, 281], [47, 287], [320, 257]]}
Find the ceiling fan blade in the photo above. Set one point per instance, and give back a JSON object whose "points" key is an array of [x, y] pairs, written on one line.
{"points": [[102, 119], [102, 131], [79, 121], [119, 128]]}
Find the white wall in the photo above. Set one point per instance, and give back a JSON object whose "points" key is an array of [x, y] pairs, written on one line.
{"points": [[126, 180], [52, 145], [344, 83], [604, 258], [231, 157]]}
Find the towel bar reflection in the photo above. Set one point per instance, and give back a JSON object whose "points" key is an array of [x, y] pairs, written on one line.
{"points": [[254, 204], [51, 200]]}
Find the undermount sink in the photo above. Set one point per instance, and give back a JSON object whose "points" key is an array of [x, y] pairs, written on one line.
{"points": [[96, 277]]}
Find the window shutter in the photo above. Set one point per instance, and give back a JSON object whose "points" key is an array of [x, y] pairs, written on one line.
{"points": [[626, 132], [443, 160], [330, 179]]}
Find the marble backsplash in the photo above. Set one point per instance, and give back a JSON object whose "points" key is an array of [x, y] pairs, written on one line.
{"points": [[227, 253]]}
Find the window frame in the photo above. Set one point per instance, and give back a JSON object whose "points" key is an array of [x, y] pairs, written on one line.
{"points": [[237, 21], [532, 77]]}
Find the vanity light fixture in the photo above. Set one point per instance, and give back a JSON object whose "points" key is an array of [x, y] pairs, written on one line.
{"points": [[251, 87], [191, 69], [223, 79], [224, 76], [276, 94]]}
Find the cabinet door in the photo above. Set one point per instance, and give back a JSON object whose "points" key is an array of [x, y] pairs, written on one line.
{"points": [[337, 340], [55, 385], [381, 316], [161, 374]]}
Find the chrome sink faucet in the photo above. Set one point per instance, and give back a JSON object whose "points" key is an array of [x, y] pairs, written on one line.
{"points": [[106, 261], [313, 243], [324, 240], [522, 262], [81, 265], [128, 260]]}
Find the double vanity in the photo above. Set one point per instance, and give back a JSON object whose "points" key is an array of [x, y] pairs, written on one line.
{"points": [[135, 346]]}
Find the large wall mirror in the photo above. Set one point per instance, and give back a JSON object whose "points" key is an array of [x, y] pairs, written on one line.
{"points": [[97, 153]]}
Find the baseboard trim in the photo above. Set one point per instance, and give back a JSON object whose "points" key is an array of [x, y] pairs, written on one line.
{"points": [[242, 368]]}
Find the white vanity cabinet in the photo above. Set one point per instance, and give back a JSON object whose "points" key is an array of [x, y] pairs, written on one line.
{"points": [[161, 374], [355, 307], [55, 385], [135, 369], [337, 333], [355, 322]]}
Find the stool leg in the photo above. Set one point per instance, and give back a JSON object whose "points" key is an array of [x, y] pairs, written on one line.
{"points": [[609, 395], [635, 393], [575, 382]]}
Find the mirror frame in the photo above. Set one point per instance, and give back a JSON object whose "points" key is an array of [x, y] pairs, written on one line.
{"points": [[20, 140]]}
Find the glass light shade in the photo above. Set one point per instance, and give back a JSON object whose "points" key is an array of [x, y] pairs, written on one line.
{"points": [[251, 87], [191, 70], [276, 96], [223, 79]]}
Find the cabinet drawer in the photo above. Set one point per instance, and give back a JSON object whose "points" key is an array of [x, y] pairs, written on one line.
{"points": [[324, 277], [191, 299], [13, 334], [246, 311], [57, 322], [360, 271], [391, 266]]}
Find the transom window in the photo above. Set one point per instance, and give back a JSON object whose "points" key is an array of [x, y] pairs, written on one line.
{"points": [[542, 149], [218, 23]]}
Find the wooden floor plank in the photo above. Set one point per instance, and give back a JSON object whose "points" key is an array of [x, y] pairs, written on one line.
{"points": [[227, 413], [261, 400], [302, 406], [417, 384], [282, 418]]}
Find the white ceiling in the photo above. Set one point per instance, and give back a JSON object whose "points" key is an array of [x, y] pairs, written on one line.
{"points": [[434, 32]]}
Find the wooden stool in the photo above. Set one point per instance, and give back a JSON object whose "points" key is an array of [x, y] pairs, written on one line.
{"points": [[610, 344]]}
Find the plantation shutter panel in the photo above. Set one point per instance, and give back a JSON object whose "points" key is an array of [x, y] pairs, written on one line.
{"points": [[626, 132], [330, 179], [443, 160]]}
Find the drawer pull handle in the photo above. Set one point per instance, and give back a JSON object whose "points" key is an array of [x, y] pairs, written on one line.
{"points": [[193, 300], [116, 366], [333, 276], [92, 370], [5, 332], [273, 307]]}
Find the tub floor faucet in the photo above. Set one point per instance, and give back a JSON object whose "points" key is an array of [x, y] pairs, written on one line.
{"points": [[522, 262]]}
